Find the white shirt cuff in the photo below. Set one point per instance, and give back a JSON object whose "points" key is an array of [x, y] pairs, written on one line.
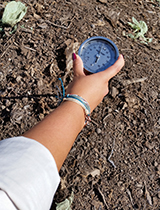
{"points": [[28, 173]]}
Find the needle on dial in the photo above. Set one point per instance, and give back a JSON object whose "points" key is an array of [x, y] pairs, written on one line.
{"points": [[98, 55]]}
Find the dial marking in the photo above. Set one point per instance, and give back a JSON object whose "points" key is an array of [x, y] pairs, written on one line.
{"points": [[97, 54]]}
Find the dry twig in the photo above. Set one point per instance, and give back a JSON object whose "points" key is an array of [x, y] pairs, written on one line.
{"points": [[103, 197], [28, 48], [147, 195], [59, 26], [128, 82], [5, 50], [130, 196], [111, 155]]}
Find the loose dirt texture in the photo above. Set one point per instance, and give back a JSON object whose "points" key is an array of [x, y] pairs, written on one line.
{"points": [[33, 58]]}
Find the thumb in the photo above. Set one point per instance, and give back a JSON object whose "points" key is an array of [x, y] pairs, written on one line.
{"points": [[115, 68], [77, 65]]}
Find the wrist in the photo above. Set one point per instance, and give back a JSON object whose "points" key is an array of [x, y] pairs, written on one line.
{"points": [[81, 102], [74, 110]]}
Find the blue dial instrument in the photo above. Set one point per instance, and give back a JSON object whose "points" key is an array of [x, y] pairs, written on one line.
{"points": [[98, 53]]}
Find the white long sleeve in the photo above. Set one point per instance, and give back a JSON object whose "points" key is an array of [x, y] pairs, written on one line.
{"points": [[28, 175]]}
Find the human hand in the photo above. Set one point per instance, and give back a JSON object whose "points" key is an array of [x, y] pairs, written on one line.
{"points": [[92, 87]]}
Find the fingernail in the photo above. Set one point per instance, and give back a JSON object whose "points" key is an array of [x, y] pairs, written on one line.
{"points": [[74, 56]]}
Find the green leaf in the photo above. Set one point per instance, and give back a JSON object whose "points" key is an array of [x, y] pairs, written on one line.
{"points": [[13, 13], [66, 204], [132, 25], [149, 40], [143, 27], [137, 24], [131, 36], [14, 29]]}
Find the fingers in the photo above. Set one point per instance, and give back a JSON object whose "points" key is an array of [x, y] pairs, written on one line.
{"points": [[108, 73], [114, 69], [77, 65]]}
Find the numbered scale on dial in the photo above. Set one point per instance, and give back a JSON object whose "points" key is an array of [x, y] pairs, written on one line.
{"points": [[98, 53]]}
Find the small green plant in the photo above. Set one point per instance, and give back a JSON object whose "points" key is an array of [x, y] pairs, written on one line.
{"points": [[140, 29], [13, 13], [66, 204]]}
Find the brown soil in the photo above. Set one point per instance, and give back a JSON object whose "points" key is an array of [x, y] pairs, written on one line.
{"points": [[33, 58]]}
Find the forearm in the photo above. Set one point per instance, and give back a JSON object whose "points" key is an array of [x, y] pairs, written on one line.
{"points": [[59, 130]]}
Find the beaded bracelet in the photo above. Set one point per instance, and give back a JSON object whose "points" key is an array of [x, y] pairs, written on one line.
{"points": [[82, 102]]}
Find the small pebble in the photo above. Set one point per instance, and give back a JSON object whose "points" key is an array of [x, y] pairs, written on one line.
{"points": [[99, 130], [122, 189], [19, 78], [154, 94], [134, 122], [155, 164], [8, 103], [114, 92], [124, 105], [158, 168], [109, 110], [139, 185], [92, 25], [3, 107]]}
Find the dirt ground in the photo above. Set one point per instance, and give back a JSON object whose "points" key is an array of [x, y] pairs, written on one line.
{"points": [[127, 121]]}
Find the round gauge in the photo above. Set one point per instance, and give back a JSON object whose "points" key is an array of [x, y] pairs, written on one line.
{"points": [[98, 53]]}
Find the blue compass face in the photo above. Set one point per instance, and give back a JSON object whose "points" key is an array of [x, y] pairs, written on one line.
{"points": [[98, 53]]}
